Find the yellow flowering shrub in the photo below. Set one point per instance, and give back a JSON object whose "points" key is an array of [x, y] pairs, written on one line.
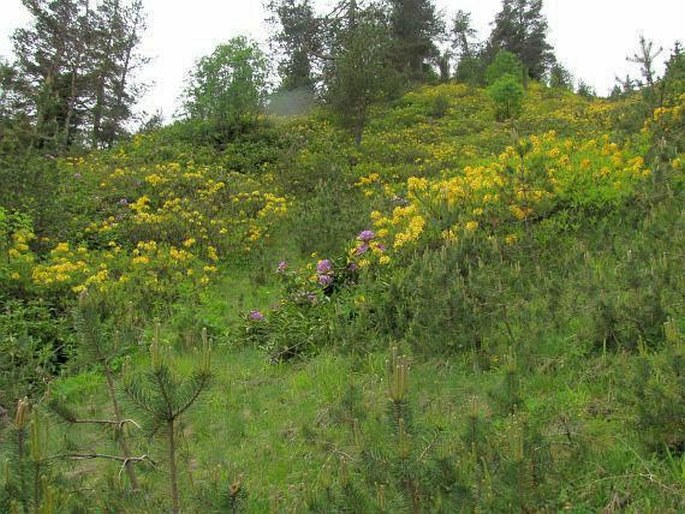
{"points": [[524, 182], [143, 223]]}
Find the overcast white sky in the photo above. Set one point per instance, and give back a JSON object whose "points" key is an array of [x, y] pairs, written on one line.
{"points": [[591, 37]]}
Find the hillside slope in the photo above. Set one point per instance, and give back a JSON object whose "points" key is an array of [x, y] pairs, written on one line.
{"points": [[457, 315]]}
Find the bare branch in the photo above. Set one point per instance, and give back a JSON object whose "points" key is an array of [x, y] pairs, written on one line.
{"points": [[89, 456], [119, 423]]}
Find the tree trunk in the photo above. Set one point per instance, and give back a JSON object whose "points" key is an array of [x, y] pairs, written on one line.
{"points": [[70, 109], [173, 475], [97, 110]]}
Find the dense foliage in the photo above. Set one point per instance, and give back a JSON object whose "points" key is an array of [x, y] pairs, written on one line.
{"points": [[456, 299]]}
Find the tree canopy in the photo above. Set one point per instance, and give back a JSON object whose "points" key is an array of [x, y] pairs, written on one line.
{"points": [[228, 88], [415, 27], [521, 28], [73, 68]]}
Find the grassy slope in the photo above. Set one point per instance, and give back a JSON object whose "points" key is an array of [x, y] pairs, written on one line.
{"points": [[542, 414]]}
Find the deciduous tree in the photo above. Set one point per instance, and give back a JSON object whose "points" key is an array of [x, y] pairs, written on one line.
{"points": [[227, 89]]}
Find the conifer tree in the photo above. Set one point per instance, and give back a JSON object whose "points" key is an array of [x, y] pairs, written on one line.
{"points": [[673, 81], [358, 72], [298, 39], [645, 57], [415, 27], [468, 50], [463, 34], [74, 67], [560, 77], [98, 346], [345, 55], [166, 395], [623, 87], [25, 486], [521, 28], [585, 90], [117, 28]]}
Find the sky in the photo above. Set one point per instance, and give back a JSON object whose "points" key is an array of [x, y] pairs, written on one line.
{"points": [[592, 38]]}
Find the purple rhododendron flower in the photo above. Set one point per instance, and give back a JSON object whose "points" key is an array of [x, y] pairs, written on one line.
{"points": [[381, 247], [352, 267], [361, 249], [255, 316], [325, 280], [324, 267], [366, 235], [282, 266]]}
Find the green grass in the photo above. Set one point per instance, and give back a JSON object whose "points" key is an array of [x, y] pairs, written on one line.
{"points": [[545, 376]]}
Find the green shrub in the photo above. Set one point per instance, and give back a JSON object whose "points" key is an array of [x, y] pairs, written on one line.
{"points": [[505, 63], [659, 388], [507, 94]]}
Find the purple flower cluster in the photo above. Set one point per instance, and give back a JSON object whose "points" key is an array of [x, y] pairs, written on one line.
{"points": [[366, 237], [324, 272], [282, 267], [255, 316], [324, 267], [325, 280]]}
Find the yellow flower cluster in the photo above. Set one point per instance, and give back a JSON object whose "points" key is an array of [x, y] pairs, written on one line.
{"points": [[525, 181], [19, 251], [62, 270], [180, 204], [368, 180], [151, 225]]}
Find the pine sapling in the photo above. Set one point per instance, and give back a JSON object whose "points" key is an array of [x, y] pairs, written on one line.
{"points": [[166, 395], [400, 417], [26, 480], [98, 346], [20, 430], [398, 370]]}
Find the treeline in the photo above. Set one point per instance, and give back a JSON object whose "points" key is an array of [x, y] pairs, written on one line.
{"points": [[362, 52], [72, 82], [419, 44], [72, 79]]}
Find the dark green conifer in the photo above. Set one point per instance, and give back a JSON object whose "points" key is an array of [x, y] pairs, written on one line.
{"points": [[415, 27], [521, 28]]}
